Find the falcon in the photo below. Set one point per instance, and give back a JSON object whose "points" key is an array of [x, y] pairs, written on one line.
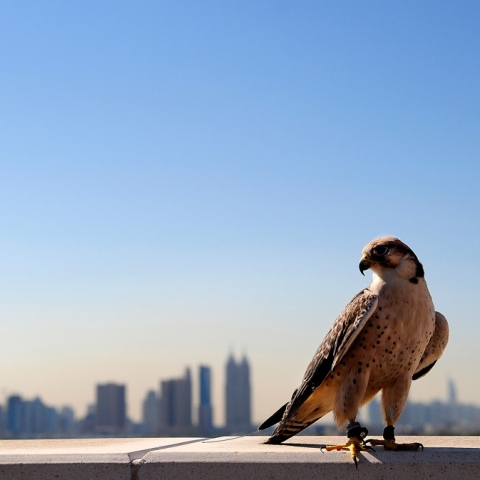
{"points": [[388, 335]]}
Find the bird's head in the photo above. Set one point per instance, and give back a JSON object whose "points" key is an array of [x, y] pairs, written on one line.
{"points": [[385, 254]]}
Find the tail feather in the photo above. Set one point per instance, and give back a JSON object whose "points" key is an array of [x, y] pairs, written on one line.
{"points": [[285, 431], [273, 419]]}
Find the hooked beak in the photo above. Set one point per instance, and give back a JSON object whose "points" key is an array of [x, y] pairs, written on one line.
{"points": [[364, 264]]}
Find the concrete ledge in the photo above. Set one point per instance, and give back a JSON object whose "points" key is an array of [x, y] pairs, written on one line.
{"points": [[109, 459], [232, 458]]}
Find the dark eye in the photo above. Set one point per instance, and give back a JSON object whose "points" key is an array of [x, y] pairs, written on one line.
{"points": [[380, 251]]}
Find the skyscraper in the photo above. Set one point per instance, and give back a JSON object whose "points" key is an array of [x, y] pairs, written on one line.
{"points": [[205, 413], [452, 401], [452, 392], [111, 416], [176, 405], [30, 418], [67, 424], [15, 414], [238, 396], [151, 413], [38, 419]]}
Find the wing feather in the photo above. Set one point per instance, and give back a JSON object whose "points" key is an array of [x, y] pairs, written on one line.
{"points": [[333, 347], [435, 347]]}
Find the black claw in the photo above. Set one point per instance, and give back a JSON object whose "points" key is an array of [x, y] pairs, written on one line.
{"points": [[368, 447], [419, 445]]}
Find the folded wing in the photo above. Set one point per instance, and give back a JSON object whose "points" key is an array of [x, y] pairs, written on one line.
{"points": [[330, 352]]}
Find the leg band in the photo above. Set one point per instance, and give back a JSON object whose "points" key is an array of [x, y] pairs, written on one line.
{"points": [[388, 432], [356, 430]]}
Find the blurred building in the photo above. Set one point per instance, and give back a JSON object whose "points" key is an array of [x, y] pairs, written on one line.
{"points": [[34, 419], [87, 424], [205, 410], [434, 418], [151, 413], [176, 405], [38, 419], [453, 402], [67, 426], [238, 396], [110, 412], [14, 415]]}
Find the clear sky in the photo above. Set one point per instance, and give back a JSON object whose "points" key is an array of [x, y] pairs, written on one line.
{"points": [[182, 179]]}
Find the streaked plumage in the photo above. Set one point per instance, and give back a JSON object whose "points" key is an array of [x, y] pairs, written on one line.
{"points": [[388, 335]]}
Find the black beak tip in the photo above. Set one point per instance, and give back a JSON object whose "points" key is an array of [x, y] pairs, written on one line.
{"points": [[364, 265]]}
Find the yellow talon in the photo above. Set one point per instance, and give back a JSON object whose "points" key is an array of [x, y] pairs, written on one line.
{"points": [[354, 445]]}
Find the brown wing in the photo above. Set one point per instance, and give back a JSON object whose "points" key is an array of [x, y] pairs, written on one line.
{"points": [[331, 351], [435, 347]]}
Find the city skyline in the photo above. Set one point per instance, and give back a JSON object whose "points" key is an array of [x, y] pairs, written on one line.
{"points": [[217, 397], [169, 412], [218, 381], [185, 396], [179, 177]]}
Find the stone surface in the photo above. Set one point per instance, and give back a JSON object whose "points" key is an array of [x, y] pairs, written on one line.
{"points": [[301, 457], [108, 459], [233, 458]]}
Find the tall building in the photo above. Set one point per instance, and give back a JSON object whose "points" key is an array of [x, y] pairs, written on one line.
{"points": [[38, 419], [87, 426], [111, 415], [176, 405], [30, 418], [205, 411], [238, 396], [151, 413], [452, 400], [452, 392], [15, 415], [67, 424]]}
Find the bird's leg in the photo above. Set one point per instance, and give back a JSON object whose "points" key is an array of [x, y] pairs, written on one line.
{"points": [[355, 444], [389, 442]]}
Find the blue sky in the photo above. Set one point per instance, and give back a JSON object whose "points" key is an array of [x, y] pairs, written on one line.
{"points": [[179, 179]]}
